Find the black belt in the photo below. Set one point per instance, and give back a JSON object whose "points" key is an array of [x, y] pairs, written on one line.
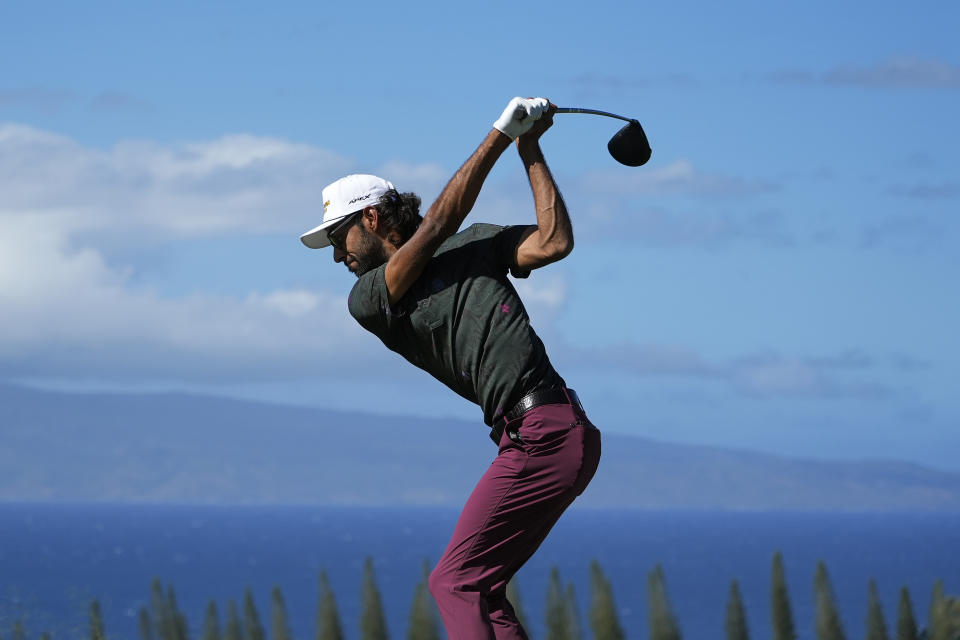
{"points": [[531, 401]]}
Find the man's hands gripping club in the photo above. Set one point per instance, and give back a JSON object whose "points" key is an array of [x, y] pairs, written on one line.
{"points": [[520, 115]]}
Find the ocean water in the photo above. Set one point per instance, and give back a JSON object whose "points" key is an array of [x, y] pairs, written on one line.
{"points": [[54, 559]]}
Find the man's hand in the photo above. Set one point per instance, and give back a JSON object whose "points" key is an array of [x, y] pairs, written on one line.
{"points": [[539, 127], [520, 116]]}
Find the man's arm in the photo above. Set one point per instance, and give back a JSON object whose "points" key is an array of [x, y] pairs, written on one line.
{"points": [[444, 216], [457, 199], [552, 238]]}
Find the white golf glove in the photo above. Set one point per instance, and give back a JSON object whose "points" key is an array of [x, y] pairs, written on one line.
{"points": [[520, 115]]}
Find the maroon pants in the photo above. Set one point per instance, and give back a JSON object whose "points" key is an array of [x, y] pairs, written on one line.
{"points": [[511, 510]]}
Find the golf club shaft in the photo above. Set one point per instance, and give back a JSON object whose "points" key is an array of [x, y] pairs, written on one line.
{"points": [[521, 113], [591, 111]]}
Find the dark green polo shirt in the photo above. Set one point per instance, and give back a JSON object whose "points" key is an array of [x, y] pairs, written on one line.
{"points": [[462, 321]]}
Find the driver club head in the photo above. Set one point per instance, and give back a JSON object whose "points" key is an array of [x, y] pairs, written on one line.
{"points": [[629, 146]]}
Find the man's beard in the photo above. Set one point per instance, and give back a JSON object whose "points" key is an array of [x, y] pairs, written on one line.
{"points": [[370, 254]]}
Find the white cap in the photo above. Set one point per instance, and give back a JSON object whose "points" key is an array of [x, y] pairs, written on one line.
{"points": [[341, 198]]}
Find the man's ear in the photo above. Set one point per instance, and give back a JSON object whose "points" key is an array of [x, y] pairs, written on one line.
{"points": [[371, 218]]}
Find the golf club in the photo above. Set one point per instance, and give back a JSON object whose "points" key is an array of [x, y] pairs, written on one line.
{"points": [[628, 146]]}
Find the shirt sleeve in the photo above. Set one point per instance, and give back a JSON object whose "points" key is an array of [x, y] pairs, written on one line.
{"points": [[368, 301], [506, 242]]}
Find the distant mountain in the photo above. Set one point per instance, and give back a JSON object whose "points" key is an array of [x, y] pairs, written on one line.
{"points": [[180, 448]]}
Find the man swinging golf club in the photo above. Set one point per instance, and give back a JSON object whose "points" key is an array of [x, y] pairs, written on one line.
{"points": [[442, 300]]}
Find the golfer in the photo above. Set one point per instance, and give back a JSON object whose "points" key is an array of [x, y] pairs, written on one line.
{"points": [[442, 300]]}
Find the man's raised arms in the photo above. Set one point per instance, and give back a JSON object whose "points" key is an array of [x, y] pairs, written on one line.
{"points": [[445, 216]]}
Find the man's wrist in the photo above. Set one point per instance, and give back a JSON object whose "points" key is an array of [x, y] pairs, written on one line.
{"points": [[529, 149], [498, 140]]}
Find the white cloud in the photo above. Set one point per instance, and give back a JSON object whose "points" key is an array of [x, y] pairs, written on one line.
{"points": [[942, 190], [53, 100], [38, 98], [591, 82], [899, 72], [818, 377], [67, 310], [677, 178], [911, 232], [117, 101], [425, 180], [658, 227], [237, 183], [544, 295], [779, 377], [644, 360], [653, 204], [291, 303], [841, 375], [847, 374]]}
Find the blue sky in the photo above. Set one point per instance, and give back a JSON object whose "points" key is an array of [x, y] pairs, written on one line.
{"points": [[781, 276]]}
